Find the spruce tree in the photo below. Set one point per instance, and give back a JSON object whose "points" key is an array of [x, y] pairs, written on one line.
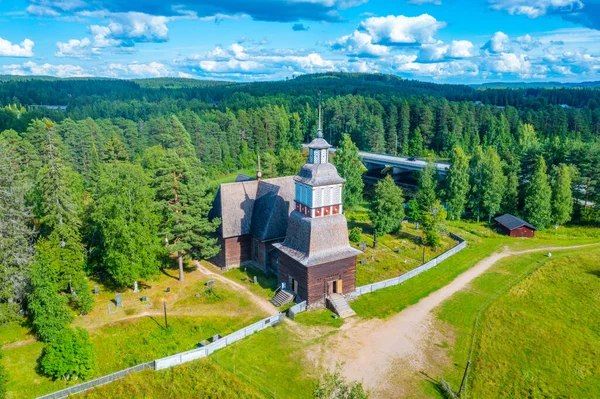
{"points": [[415, 144], [538, 207], [458, 183], [392, 134], [494, 183], [350, 167], [510, 203], [404, 131], [387, 207], [562, 195], [114, 150], [16, 232], [426, 195], [48, 308], [476, 180]]}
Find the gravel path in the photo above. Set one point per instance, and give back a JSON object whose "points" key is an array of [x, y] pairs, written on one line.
{"points": [[376, 344]]}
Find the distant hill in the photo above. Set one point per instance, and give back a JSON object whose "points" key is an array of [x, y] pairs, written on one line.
{"points": [[536, 85]]}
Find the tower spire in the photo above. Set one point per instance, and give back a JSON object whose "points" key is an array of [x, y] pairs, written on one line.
{"points": [[320, 128]]}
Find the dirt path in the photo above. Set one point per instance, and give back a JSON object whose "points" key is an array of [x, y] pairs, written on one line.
{"points": [[378, 344], [262, 303]]}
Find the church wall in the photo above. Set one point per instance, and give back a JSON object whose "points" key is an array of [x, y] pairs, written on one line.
{"points": [[237, 250], [313, 280]]}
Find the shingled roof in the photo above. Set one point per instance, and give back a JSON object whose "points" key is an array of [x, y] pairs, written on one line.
{"points": [[255, 207], [319, 174], [512, 222], [313, 241]]}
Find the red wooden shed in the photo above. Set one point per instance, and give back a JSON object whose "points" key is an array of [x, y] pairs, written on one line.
{"points": [[514, 227]]}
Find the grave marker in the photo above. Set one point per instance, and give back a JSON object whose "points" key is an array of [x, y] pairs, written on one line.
{"points": [[135, 287], [96, 290], [255, 280], [144, 299], [118, 300], [210, 283], [168, 289]]}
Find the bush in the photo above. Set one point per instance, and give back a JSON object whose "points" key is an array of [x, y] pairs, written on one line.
{"points": [[355, 234], [70, 355], [334, 386]]}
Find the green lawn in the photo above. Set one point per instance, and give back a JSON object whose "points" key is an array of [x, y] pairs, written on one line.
{"points": [[320, 317], [272, 359], [129, 337], [538, 334], [245, 275], [199, 379], [395, 254], [481, 242]]}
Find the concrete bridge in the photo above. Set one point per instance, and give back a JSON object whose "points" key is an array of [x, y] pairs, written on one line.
{"points": [[400, 164], [374, 161]]}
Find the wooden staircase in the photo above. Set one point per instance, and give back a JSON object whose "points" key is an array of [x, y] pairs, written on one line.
{"points": [[282, 297], [340, 306]]}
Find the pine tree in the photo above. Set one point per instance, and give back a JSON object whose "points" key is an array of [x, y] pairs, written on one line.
{"points": [[538, 207], [182, 192], [16, 233], [426, 196], [387, 207], [349, 166], [458, 183], [476, 180], [510, 203], [115, 151], [128, 222], [562, 195]]}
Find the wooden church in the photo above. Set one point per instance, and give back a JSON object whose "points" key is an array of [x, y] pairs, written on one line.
{"points": [[292, 226]]}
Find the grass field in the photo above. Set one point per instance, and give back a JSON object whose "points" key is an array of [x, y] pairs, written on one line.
{"points": [[135, 333], [481, 242], [200, 379], [245, 275], [395, 254], [538, 337]]}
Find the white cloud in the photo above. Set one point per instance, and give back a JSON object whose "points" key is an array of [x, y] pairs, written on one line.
{"points": [[359, 44], [510, 63], [137, 70], [7, 49], [527, 43], [536, 8], [440, 69], [498, 43], [440, 51], [236, 61], [77, 49], [127, 28], [42, 11], [31, 68], [402, 30]]}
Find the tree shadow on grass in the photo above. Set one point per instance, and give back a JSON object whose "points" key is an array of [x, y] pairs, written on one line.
{"points": [[595, 273]]}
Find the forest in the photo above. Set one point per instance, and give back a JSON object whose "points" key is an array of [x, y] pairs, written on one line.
{"points": [[118, 185]]}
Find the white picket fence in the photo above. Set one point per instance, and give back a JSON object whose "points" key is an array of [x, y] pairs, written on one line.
{"points": [[365, 289], [169, 361], [199, 353]]}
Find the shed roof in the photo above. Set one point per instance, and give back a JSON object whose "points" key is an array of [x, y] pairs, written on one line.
{"points": [[512, 222]]}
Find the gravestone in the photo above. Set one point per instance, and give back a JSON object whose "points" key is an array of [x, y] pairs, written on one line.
{"points": [[362, 246], [135, 287], [375, 238], [363, 262], [96, 290], [399, 250], [168, 289], [372, 258], [144, 299], [210, 283], [255, 280], [549, 254], [118, 300], [197, 295]]}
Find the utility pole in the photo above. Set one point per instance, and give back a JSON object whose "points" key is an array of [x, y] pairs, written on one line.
{"points": [[166, 321]]}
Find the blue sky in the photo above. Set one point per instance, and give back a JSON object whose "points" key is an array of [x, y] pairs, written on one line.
{"points": [[454, 41]]}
